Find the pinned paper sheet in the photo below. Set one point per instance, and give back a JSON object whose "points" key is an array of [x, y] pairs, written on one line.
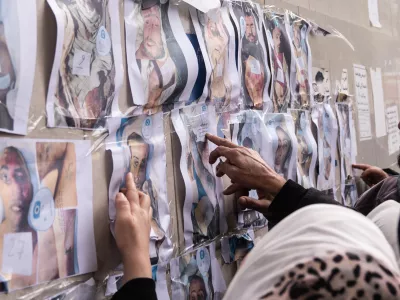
{"points": [[374, 13], [379, 104], [392, 116], [361, 88], [17, 254], [203, 5]]}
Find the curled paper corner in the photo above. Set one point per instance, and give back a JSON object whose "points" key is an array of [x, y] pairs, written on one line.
{"points": [[204, 6]]}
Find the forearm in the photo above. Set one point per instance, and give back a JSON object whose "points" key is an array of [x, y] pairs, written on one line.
{"points": [[292, 197]]}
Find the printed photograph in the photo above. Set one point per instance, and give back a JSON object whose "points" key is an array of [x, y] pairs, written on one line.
{"points": [[39, 216], [300, 81], [344, 116], [17, 54], [252, 57], [306, 148], [321, 85], [85, 81], [281, 60], [155, 59], [139, 148]]}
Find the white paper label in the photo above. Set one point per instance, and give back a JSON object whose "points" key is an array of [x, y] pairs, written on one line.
{"points": [[280, 77], [103, 41], [199, 123], [147, 128], [255, 67], [220, 70], [81, 63], [17, 253], [364, 115], [392, 121], [41, 211], [242, 26], [203, 261]]}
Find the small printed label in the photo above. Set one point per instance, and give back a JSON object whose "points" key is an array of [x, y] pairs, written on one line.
{"points": [[220, 70], [255, 67], [279, 76], [81, 63], [203, 261], [41, 211], [103, 42], [17, 254], [242, 26], [147, 128]]}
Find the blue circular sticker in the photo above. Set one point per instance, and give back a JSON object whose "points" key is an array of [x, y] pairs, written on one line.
{"points": [[103, 42], [41, 211]]}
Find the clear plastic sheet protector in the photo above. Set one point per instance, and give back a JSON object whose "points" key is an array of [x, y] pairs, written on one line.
{"points": [[138, 146], [307, 148], [87, 71], [203, 209]]}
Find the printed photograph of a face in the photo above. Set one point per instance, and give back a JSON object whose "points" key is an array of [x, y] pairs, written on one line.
{"points": [[85, 81], [17, 54], [343, 111], [38, 212], [157, 68], [284, 148], [321, 84], [196, 267], [306, 148], [281, 60], [144, 153], [299, 30], [251, 58], [216, 39]]}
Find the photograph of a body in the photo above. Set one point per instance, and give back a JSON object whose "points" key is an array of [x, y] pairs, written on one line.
{"points": [[301, 75], [321, 85], [138, 146], [85, 82], [280, 53], [39, 196], [344, 117], [252, 56]]}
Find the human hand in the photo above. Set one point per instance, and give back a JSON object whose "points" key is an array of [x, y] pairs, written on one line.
{"points": [[371, 175], [245, 168], [132, 230], [261, 204]]}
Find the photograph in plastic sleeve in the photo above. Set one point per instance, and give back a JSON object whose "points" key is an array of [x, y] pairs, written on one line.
{"points": [[46, 211], [18, 54], [301, 76], [236, 247], [327, 132], [252, 55], [349, 194], [84, 290], [87, 70], [307, 151], [158, 55], [203, 214], [281, 57], [321, 85], [217, 42], [115, 282], [344, 114], [138, 146], [197, 275], [280, 128], [248, 130]]}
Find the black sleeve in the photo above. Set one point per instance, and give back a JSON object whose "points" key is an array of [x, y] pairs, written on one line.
{"points": [[293, 197], [140, 289], [390, 172]]}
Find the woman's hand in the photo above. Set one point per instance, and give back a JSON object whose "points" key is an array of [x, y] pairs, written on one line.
{"points": [[245, 168], [371, 175], [132, 230]]}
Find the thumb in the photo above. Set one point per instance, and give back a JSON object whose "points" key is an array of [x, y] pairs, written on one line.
{"points": [[122, 206], [251, 203]]}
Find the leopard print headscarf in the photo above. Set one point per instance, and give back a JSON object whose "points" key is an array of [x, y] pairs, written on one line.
{"points": [[337, 275]]}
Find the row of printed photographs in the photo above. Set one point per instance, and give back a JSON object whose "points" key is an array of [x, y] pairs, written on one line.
{"points": [[240, 56]]}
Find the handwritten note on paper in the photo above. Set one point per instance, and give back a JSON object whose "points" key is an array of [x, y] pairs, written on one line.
{"points": [[392, 118], [379, 104], [17, 253], [374, 13], [361, 87]]}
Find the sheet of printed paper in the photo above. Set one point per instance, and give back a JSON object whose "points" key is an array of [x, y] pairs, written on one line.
{"points": [[374, 13], [361, 88], [392, 121], [48, 231], [203, 5], [379, 104]]}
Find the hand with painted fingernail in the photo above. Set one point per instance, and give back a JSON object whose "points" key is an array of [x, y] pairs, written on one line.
{"points": [[132, 230], [245, 168]]}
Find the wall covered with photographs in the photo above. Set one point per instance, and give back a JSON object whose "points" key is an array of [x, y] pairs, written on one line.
{"points": [[90, 90]]}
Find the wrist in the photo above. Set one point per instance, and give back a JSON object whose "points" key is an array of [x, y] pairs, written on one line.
{"points": [[274, 184], [136, 265]]}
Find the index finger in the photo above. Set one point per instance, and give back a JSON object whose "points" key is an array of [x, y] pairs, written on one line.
{"points": [[131, 191], [220, 141], [361, 166], [221, 151]]}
